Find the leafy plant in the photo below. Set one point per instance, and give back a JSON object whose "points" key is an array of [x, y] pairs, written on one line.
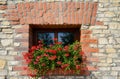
{"points": [[42, 59]]}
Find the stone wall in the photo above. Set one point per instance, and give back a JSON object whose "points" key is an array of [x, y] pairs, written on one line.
{"points": [[102, 39]]}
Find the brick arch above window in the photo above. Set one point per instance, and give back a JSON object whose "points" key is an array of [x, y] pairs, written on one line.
{"points": [[52, 13]]}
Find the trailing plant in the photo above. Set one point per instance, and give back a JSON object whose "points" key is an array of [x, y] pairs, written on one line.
{"points": [[42, 58]]}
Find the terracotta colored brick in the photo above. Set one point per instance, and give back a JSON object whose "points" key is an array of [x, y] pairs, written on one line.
{"points": [[91, 68], [36, 6], [14, 23], [89, 14], [86, 31], [86, 6], [4, 15], [89, 41], [27, 6], [21, 48], [82, 5], [90, 5], [13, 18], [99, 23], [22, 20], [33, 13], [12, 14], [25, 35], [25, 44], [21, 39], [3, 7], [21, 30], [40, 5], [45, 7], [77, 18], [91, 59], [85, 36], [19, 68], [93, 19], [18, 57], [24, 73], [12, 11], [72, 17], [60, 6], [12, 6], [41, 13], [85, 45], [28, 20], [95, 50]]}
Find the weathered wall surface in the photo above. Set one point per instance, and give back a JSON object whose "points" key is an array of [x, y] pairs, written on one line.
{"points": [[102, 38]]}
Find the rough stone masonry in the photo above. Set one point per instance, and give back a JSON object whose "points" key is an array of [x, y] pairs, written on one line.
{"points": [[99, 31]]}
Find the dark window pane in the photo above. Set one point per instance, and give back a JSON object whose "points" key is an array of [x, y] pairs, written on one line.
{"points": [[66, 38], [46, 37]]}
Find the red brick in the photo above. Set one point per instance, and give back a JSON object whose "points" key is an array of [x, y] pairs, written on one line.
{"points": [[82, 5], [12, 6], [85, 36], [25, 35], [91, 68], [12, 14], [25, 44], [13, 18], [91, 59], [24, 73], [72, 17], [93, 50], [33, 13], [27, 6], [86, 6], [93, 19], [22, 20], [40, 5], [3, 7], [21, 48], [14, 23], [89, 40], [21, 30], [60, 6], [28, 20], [12, 11], [86, 31], [4, 15], [77, 18], [41, 13], [21, 39], [18, 58], [99, 23], [19, 68], [45, 7]]}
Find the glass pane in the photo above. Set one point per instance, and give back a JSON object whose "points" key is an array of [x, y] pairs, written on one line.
{"points": [[66, 38], [46, 37]]}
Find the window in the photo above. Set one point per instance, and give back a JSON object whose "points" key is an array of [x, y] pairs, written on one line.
{"points": [[47, 34]]}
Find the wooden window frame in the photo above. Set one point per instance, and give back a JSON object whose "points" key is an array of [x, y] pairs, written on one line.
{"points": [[35, 30]]}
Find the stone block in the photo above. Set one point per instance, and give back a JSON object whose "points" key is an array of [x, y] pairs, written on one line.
{"points": [[5, 23], [3, 72], [109, 14], [110, 50], [98, 27], [11, 63], [2, 63], [3, 52], [103, 41], [6, 42], [7, 30], [109, 60]]}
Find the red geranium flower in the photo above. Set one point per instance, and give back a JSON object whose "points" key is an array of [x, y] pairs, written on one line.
{"points": [[77, 66], [82, 53], [59, 63], [52, 57], [43, 64], [64, 65], [67, 54]]}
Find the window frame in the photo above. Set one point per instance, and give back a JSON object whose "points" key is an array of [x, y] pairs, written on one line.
{"points": [[35, 30]]}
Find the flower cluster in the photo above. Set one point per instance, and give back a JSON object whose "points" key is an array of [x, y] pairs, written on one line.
{"points": [[42, 58]]}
